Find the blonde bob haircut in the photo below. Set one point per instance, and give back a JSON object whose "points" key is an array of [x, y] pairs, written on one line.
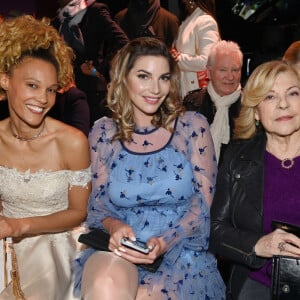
{"points": [[118, 98], [26, 36], [258, 85]]}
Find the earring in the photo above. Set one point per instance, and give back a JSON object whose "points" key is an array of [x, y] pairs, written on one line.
{"points": [[257, 123]]}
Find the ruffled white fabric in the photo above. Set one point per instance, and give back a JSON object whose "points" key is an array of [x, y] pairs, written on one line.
{"points": [[44, 261]]}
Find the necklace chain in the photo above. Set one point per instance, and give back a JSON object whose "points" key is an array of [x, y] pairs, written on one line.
{"points": [[24, 139], [288, 163]]}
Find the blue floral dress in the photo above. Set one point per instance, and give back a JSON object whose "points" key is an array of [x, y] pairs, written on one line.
{"points": [[161, 184]]}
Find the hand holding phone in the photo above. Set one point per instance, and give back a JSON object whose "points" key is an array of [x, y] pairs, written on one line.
{"points": [[135, 245]]}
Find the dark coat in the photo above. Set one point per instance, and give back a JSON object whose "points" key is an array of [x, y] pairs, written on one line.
{"points": [[72, 108], [164, 26], [237, 209]]}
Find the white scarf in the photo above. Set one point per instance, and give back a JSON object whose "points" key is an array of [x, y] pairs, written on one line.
{"points": [[75, 9], [219, 128]]}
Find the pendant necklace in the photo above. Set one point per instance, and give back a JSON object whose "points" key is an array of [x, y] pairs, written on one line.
{"points": [[24, 139], [288, 163]]}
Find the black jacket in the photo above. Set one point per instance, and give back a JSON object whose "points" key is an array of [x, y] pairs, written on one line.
{"points": [[164, 26], [237, 209]]}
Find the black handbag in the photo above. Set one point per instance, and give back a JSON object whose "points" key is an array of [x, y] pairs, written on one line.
{"points": [[285, 278], [99, 240], [286, 269]]}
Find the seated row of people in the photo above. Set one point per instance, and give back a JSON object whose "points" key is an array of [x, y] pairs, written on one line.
{"points": [[150, 172]]}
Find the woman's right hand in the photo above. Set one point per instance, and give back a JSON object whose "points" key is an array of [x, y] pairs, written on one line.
{"points": [[278, 242]]}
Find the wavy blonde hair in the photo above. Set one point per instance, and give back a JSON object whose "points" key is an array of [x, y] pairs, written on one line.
{"points": [[26, 36], [118, 98], [258, 85]]}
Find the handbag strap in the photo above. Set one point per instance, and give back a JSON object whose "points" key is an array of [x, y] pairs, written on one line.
{"points": [[14, 273]]}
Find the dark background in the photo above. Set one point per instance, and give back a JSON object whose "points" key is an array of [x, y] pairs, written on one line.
{"points": [[265, 35]]}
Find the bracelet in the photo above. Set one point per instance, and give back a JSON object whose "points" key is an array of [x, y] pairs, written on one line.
{"points": [[94, 72]]}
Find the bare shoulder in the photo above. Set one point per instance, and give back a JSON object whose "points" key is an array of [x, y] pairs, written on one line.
{"points": [[72, 144], [67, 135]]}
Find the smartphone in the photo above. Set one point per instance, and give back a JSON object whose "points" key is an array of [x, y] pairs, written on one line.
{"points": [[137, 245]]}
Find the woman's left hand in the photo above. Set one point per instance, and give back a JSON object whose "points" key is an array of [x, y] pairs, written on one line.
{"points": [[278, 242]]}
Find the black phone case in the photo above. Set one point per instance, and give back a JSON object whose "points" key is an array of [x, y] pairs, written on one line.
{"points": [[96, 238], [99, 240]]}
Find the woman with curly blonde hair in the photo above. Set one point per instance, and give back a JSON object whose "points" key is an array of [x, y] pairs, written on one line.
{"points": [[153, 171], [44, 163]]}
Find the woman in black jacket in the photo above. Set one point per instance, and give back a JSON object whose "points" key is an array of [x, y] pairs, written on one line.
{"points": [[258, 182]]}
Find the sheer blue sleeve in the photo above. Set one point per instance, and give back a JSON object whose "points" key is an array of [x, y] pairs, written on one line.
{"points": [[193, 138]]}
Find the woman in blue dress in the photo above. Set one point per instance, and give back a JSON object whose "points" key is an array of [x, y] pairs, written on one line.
{"points": [[154, 172]]}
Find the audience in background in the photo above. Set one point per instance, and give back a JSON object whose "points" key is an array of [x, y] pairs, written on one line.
{"points": [[148, 18], [220, 100], [89, 29], [197, 33]]}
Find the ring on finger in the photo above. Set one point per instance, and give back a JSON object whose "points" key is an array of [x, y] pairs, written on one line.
{"points": [[281, 246]]}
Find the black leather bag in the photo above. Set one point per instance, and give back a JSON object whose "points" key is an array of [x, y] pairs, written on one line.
{"points": [[286, 269], [285, 278]]}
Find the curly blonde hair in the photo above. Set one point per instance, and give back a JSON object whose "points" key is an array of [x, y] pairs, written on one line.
{"points": [[26, 36], [118, 98], [258, 85]]}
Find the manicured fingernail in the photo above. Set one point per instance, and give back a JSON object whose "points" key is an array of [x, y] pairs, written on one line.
{"points": [[117, 252], [122, 249]]}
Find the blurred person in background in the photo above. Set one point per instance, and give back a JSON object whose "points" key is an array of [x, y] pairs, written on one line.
{"points": [[88, 28], [220, 101], [196, 34], [148, 18]]}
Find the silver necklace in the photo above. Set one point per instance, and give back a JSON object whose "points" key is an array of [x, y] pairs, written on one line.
{"points": [[24, 139], [288, 162]]}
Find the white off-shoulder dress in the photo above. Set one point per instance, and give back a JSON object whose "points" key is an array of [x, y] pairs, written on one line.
{"points": [[44, 261]]}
